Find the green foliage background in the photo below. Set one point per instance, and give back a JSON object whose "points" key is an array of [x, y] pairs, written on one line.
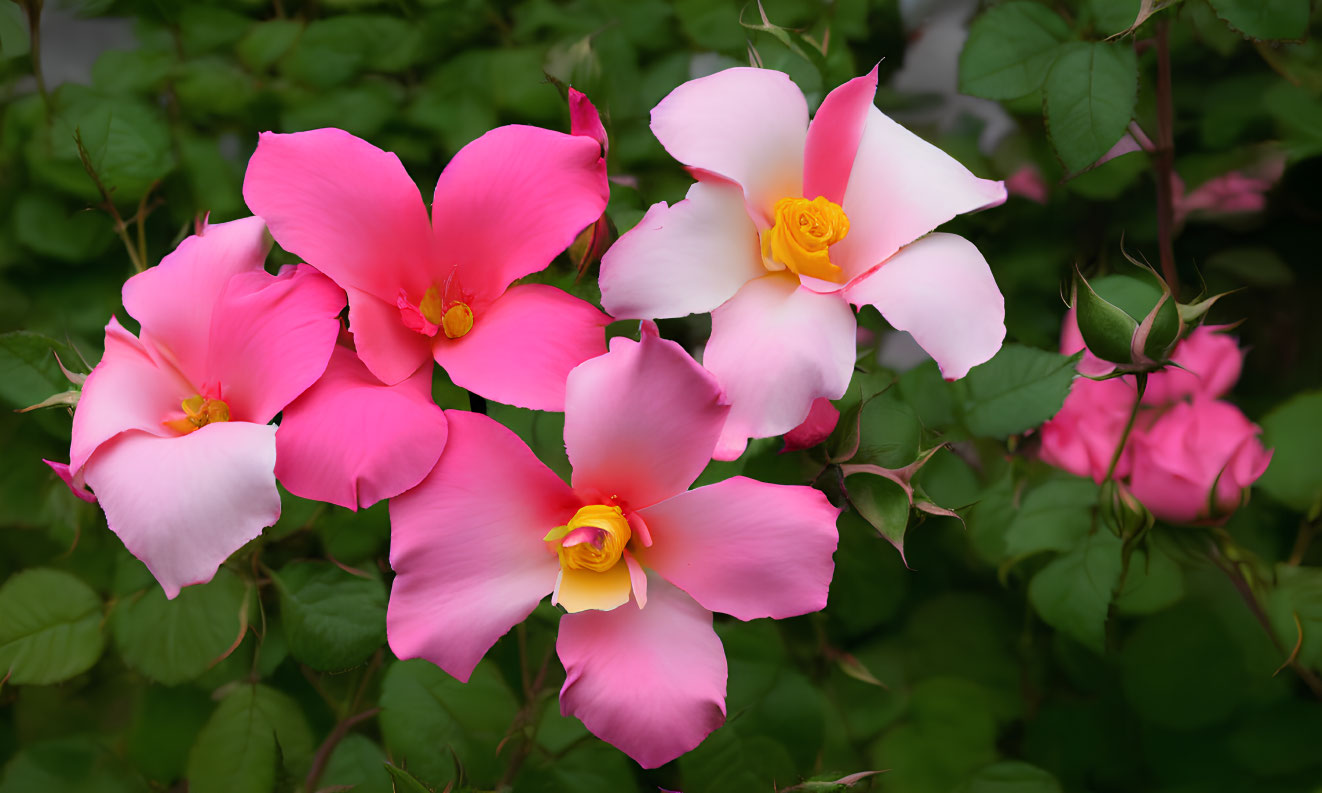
{"points": [[1007, 656]]}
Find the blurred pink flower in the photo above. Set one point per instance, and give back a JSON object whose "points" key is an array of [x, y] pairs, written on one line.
{"points": [[789, 224], [1027, 182], [173, 431], [504, 206], [491, 531]]}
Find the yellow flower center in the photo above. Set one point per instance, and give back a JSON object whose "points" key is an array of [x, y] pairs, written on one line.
{"points": [[594, 539], [454, 321], [802, 234], [198, 412]]}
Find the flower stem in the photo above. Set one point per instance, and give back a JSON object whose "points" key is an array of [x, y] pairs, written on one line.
{"points": [[1164, 158], [1142, 384]]}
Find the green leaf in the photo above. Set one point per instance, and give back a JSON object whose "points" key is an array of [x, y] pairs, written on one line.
{"points": [[237, 751], [359, 764], [426, 715], [1114, 16], [403, 781], [1073, 592], [266, 42], [333, 619], [28, 370], [729, 762], [1054, 516], [68, 765], [165, 725], [1090, 95], [1265, 19], [1298, 594], [127, 142], [1154, 582], [1010, 49], [1015, 391], [15, 36], [1011, 776], [203, 28], [50, 627], [889, 432], [1294, 432], [131, 71], [882, 503], [47, 227], [173, 641]]}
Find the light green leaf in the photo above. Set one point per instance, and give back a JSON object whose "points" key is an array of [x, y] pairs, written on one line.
{"points": [[237, 750], [1294, 432], [50, 627], [1073, 592], [1015, 391], [1010, 50], [47, 227], [1090, 95], [173, 641], [333, 619], [1265, 19]]}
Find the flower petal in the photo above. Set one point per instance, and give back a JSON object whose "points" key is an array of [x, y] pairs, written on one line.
{"points": [[466, 545], [74, 480], [388, 349], [345, 207], [746, 548], [129, 389], [683, 259], [821, 421], [775, 348], [649, 681], [352, 441], [747, 125], [271, 337], [184, 504], [902, 187], [585, 120], [641, 420], [174, 301], [522, 347], [511, 200], [941, 290], [833, 138], [581, 590]]}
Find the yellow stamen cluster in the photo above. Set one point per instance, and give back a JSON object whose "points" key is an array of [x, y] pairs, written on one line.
{"points": [[454, 321], [198, 412], [801, 235], [598, 547]]}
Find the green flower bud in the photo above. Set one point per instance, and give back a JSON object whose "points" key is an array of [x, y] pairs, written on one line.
{"points": [[1132, 321]]}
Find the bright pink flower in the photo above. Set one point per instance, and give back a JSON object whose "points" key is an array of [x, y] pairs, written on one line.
{"points": [[821, 421], [173, 431], [637, 560], [1196, 462], [787, 226], [1082, 436], [1236, 192], [504, 206]]}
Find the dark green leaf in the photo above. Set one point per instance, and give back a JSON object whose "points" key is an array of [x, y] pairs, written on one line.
{"points": [[48, 227], [1090, 95], [173, 641], [50, 627], [333, 619], [1298, 595], [1015, 391], [70, 765], [1073, 592], [1294, 431], [15, 38], [360, 764], [882, 503], [889, 433], [253, 729], [404, 782], [1011, 776], [1010, 49], [1265, 19], [266, 42], [28, 370], [1055, 516]]}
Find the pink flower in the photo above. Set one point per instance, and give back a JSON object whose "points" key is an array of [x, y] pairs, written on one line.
{"points": [[1196, 462], [787, 226], [173, 431], [1236, 192], [504, 206], [637, 560], [1027, 182], [1082, 437]]}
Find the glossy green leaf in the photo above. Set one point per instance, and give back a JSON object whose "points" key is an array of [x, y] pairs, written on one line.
{"points": [[1089, 98], [1015, 391], [333, 619], [1010, 49], [50, 627]]}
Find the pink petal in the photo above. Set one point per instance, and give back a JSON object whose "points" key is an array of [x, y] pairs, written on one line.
{"points": [[128, 390], [522, 347], [776, 347], [684, 259], [650, 681], [389, 350], [834, 135], [747, 125], [174, 300], [941, 291], [511, 200], [184, 504], [746, 548], [73, 479], [821, 421], [345, 207], [585, 120], [271, 337], [641, 421], [466, 546], [902, 187], [351, 441]]}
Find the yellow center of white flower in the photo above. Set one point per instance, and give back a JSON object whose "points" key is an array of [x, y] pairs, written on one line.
{"points": [[590, 547]]}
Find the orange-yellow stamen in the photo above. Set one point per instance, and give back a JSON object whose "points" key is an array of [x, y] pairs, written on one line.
{"points": [[198, 412], [432, 307], [457, 321], [802, 234], [594, 539]]}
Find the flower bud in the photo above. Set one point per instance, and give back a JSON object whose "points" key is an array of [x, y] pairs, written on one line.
{"points": [[1124, 515], [1132, 321]]}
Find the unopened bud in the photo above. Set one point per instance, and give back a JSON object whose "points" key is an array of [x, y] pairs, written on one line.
{"points": [[1132, 321], [1124, 515]]}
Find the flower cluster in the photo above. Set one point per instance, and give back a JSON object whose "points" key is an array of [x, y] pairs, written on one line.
{"points": [[1190, 456], [789, 225]]}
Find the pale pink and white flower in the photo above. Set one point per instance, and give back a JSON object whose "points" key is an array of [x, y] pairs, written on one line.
{"points": [[440, 287], [637, 560], [791, 223], [172, 431]]}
